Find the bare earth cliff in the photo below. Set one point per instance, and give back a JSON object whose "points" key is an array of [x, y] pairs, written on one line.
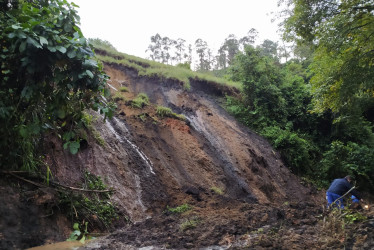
{"points": [[240, 192]]}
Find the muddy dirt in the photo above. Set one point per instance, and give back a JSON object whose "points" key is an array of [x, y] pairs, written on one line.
{"points": [[240, 193]]}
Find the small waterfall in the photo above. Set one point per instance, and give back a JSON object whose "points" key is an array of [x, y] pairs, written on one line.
{"points": [[120, 131]]}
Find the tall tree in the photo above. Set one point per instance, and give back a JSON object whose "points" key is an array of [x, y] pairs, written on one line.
{"points": [[249, 39], [201, 47], [342, 33], [155, 48], [229, 49], [180, 47], [269, 48]]}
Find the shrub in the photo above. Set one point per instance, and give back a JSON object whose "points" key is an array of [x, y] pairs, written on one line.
{"points": [[48, 77], [296, 151], [351, 158], [217, 190], [167, 112], [189, 224], [118, 97], [140, 101], [124, 89], [180, 209]]}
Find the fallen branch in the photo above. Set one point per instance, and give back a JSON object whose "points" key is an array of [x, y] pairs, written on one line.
{"points": [[81, 189], [341, 197], [31, 182], [12, 173]]}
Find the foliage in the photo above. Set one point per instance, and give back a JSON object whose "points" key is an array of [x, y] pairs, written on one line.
{"points": [[217, 190], [124, 89], [87, 120], [48, 77], [140, 101], [90, 206], [167, 112], [349, 159], [180, 209], [261, 86], [118, 97], [189, 224], [102, 44], [296, 151], [78, 233], [336, 220], [340, 33], [158, 70]]}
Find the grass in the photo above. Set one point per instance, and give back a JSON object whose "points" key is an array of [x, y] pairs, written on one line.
{"points": [[151, 69], [167, 112], [140, 101], [217, 190], [118, 97], [180, 209], [123, 89], [189, 224]]}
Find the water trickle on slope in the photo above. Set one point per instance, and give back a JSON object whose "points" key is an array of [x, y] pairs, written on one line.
{"points": [[120, 131]]}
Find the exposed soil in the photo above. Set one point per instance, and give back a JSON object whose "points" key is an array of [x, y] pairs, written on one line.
{"points": [[240, 192]]}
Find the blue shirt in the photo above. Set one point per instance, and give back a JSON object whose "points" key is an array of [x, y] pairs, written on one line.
{"points": [[341, 186]]}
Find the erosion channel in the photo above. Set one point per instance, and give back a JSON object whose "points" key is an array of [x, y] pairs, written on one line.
{"points": [[239, 192]]}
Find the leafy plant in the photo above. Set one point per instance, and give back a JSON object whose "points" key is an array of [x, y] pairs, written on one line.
{"points": [[118, 97], [167, 112], [124, 89], [90, 206], [140, 101], [189, 224], [180, 209], [217, 190], [48, 77], [79, 234]]}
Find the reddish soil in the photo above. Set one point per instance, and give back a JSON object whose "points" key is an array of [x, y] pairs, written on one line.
{"points": [[240, 192]]}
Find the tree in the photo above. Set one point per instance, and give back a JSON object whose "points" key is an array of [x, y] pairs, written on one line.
{"points": [[228, 50], [269, 48], [202, 51], [342, 33], [166, 44], [155, 48], [48, 77], [261, 81], [249, 39], [180, 50]]}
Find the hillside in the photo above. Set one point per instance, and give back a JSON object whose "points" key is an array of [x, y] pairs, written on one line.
{"points": [[235, 188]]}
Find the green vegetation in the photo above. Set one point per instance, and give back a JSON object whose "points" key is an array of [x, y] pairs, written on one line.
{"points": [[180, 209], [189, 224], [123, 89], [118, 97], [140, 101], [48, 77], [87, 121], [217, 190], [316, 109], [78, 233], [152, 69], [94, 206], [167, 112]]}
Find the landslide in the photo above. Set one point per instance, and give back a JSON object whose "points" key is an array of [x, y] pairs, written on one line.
{"points": [[236, 186], [240, 192]]}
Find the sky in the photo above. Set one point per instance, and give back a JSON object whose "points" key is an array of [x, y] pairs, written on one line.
{"points": [[129, 24]]}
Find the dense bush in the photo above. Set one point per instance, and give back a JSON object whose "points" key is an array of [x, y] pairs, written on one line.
{"points": [[277, 102], [48, 77]]}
